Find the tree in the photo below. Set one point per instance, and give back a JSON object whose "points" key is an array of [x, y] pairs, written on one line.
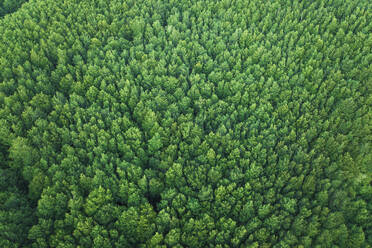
{"points": [[185, 124]]}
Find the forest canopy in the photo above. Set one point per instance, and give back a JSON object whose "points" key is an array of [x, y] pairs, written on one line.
{"points": [[188, 123], [9, 6]]}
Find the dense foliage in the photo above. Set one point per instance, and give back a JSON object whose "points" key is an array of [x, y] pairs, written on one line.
{"points": [[9, 6], [149, 123]]}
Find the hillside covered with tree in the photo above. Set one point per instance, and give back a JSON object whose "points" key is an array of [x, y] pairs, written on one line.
{"points": [[188, 123]]}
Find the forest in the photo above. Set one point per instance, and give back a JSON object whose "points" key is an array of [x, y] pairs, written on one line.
{"points": [[185, 123]]}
